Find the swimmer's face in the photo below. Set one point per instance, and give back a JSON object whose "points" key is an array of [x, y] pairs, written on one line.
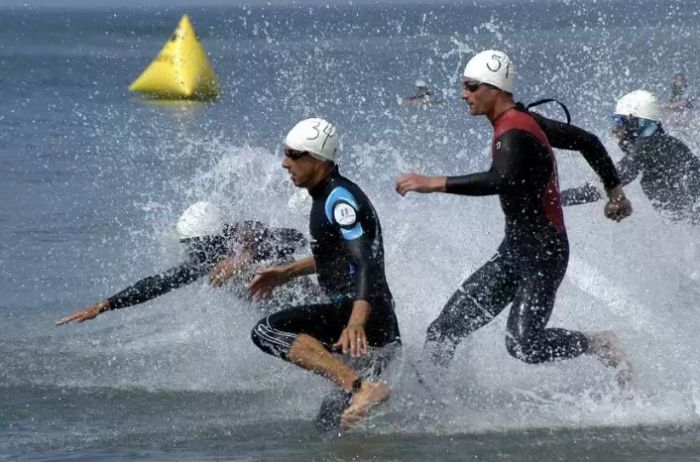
{"points": [[302, 167], [479, 96], [623, 127], [679, 81]]}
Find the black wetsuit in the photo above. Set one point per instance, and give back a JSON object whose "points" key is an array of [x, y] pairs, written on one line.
{"points": [[670, 176], [275, 244], [531, 261], [346, 241]]}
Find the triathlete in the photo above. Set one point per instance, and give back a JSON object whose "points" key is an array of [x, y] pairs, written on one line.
{"points": [[670, 172], [214, 248], [531, 261], [348, 257]]}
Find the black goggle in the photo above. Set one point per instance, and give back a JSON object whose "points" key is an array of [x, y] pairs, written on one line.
{"points": [[294, 154], [471, 87]]}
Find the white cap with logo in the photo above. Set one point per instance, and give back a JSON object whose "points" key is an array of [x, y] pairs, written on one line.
{"points": [[316, 136], [492, 67]]}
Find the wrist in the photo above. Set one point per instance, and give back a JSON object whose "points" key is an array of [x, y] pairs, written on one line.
{"points": [[437, 183], [103, 306], [616, 194]]}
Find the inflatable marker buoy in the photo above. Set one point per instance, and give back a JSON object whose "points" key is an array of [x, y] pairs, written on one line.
{"points": [[181, 70]]}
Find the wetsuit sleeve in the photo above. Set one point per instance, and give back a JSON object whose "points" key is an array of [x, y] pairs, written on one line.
{"points": [[508, 160], [159, 284], [265, 243], [573, 138], [287, 241], [343, 211], [628, 170]]}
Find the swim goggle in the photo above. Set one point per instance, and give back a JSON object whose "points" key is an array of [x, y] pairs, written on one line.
{"points": [[472, 86], [621, 121], [294, 154]]}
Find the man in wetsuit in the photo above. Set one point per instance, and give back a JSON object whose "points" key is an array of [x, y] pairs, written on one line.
{"points": [[348, 257], [531, 261], [222, 251], [670, 172]]}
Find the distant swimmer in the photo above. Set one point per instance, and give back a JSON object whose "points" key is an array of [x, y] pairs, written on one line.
{"points": [[222, 251], [531, 261], [422, 97], [670, 172], [678, 100], [348, 258]]}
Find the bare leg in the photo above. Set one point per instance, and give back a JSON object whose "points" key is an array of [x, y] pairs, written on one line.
{"points": [[607, 347], [307, 352]]}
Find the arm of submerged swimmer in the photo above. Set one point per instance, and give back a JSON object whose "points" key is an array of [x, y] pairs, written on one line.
{"points": [[510, 157], [573, 138], [267, 279], [230, 267], [153, 286], [287, 241], [142, 291]]}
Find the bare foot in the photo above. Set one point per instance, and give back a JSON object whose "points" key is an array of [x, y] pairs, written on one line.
{"points": [[607, 347], [369, 394]]}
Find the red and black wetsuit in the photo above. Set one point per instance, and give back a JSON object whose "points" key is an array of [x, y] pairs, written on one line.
{"points": [[530, 262]]}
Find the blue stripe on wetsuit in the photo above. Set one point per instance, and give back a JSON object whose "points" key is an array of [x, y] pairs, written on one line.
{"points": [[341, 194]]}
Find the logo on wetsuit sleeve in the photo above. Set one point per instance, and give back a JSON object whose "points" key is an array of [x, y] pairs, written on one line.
{"points": [[344, 214]]}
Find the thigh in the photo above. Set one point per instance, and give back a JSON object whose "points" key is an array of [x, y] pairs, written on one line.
{"points": [[534, 301], [485, 293], [324, 322]]}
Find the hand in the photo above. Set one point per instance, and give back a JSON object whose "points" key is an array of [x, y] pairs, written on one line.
{"points": [[419, 183], [266, 280], [618, 207], [222, 272], [85, 314], [353, 340]]}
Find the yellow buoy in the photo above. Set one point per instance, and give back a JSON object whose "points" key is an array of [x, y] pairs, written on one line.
{"points": [[181, 69]]}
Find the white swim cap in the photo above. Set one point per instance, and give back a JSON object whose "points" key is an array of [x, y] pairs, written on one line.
{"points": [[639, 103], [421, 84], [316, 136], [199, 220], [492, 67]]}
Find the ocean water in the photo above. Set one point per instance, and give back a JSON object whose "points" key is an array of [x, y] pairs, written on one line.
{"points": [[92, 179]]}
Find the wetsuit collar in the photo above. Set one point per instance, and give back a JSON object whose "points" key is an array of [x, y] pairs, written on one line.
{"points": [[318, 190], [495, 119]]}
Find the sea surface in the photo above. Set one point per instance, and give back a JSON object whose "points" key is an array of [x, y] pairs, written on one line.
{"points": [[93, 178]]}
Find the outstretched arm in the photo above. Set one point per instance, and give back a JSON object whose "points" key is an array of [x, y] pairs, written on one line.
{"points": [[505, 164], [142, 291]]}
